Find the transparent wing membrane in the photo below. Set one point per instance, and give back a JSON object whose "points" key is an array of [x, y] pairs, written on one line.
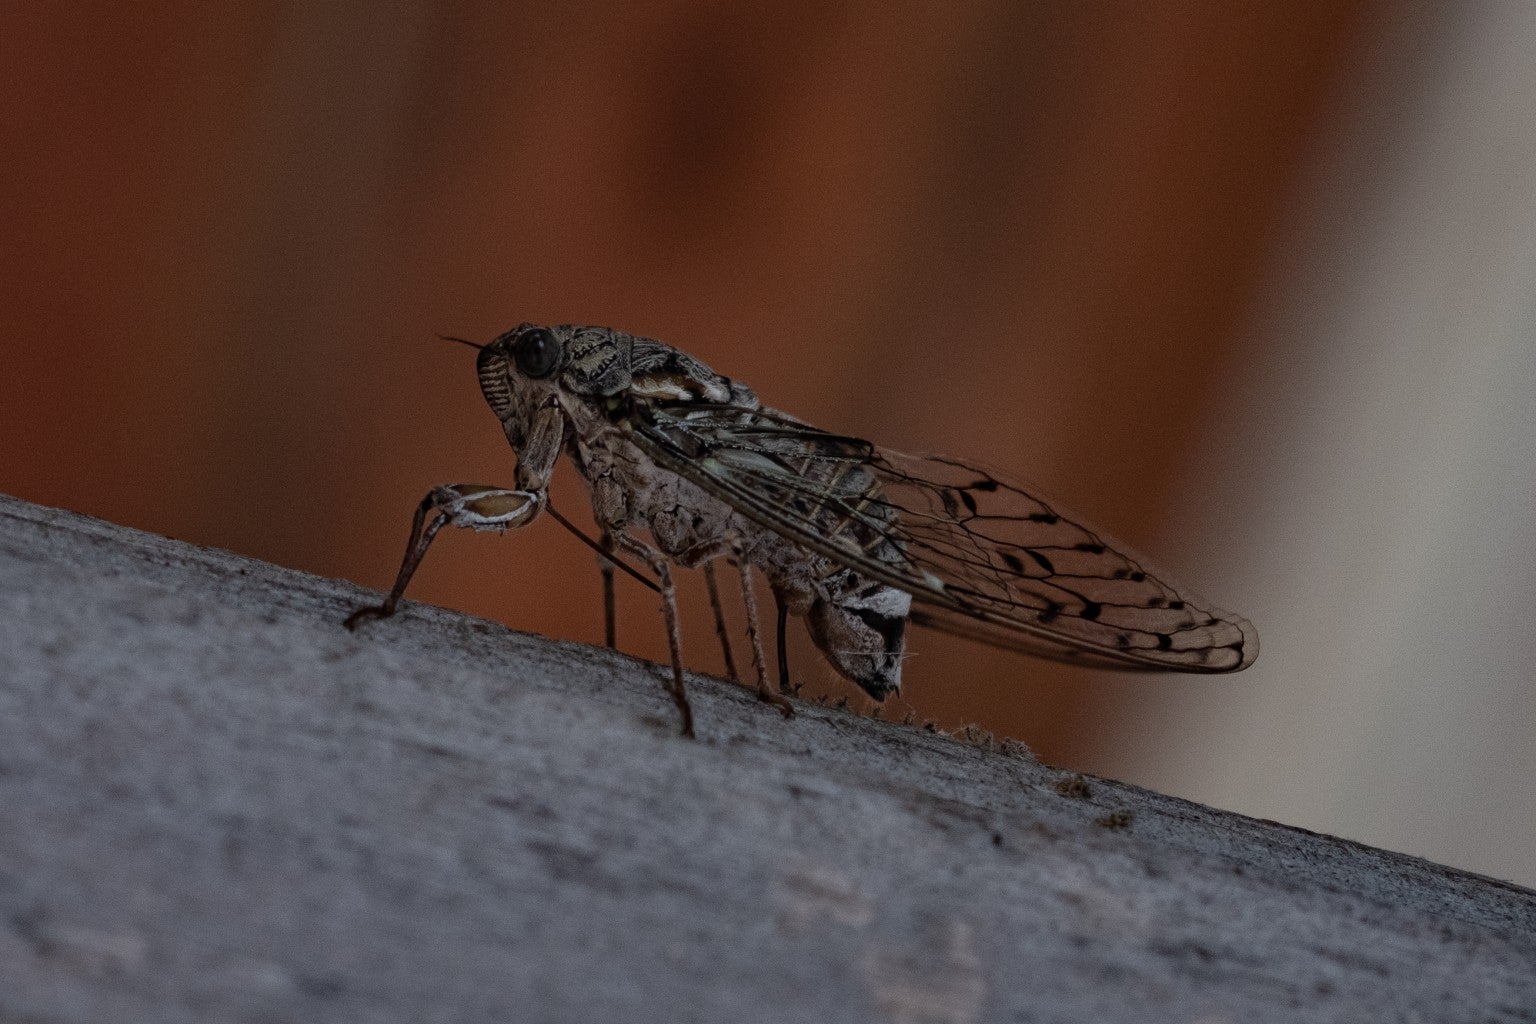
{"points": [[982, 557]]}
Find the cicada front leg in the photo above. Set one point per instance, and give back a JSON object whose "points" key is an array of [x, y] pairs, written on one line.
{"points": [[472, 506]]}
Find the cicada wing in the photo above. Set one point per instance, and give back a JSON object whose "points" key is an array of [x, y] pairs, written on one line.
{"points": [[982, 557]]}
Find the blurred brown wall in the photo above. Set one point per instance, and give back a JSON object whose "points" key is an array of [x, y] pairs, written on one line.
{"points": [[1023, 232]]}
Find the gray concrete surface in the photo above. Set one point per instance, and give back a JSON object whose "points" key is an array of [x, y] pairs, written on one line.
{"points": [[218, 805]]}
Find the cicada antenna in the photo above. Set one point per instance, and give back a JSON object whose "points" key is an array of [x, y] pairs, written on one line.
{"points": [[462, 341]]}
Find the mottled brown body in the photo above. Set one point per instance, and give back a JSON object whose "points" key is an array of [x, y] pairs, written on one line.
{"points": [[858, 623]]}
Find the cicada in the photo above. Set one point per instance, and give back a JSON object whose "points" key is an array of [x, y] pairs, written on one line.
{"points": [[687, 467]]}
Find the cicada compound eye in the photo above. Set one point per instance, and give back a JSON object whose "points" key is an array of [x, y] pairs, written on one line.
{"points": [[537, 353]]}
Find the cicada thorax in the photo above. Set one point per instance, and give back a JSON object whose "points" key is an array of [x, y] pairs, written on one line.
{"points": [[858, 623]]}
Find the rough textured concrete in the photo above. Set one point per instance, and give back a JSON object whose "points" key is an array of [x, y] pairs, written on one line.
{"points": [[216, 804]]}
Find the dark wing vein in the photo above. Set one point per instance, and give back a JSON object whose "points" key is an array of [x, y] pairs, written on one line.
{"points": [[984, 558]]}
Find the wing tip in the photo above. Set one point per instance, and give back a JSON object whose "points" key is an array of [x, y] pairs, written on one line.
{"points": [[1247, 648]]}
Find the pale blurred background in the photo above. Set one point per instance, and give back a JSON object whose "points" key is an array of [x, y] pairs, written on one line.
{"points": [[1250, 285]]}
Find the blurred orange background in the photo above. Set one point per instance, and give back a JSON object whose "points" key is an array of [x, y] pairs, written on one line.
{"points": [[1040, 235]]}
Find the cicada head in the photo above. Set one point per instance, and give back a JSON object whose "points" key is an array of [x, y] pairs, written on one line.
{"points": [[521, 375]]}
